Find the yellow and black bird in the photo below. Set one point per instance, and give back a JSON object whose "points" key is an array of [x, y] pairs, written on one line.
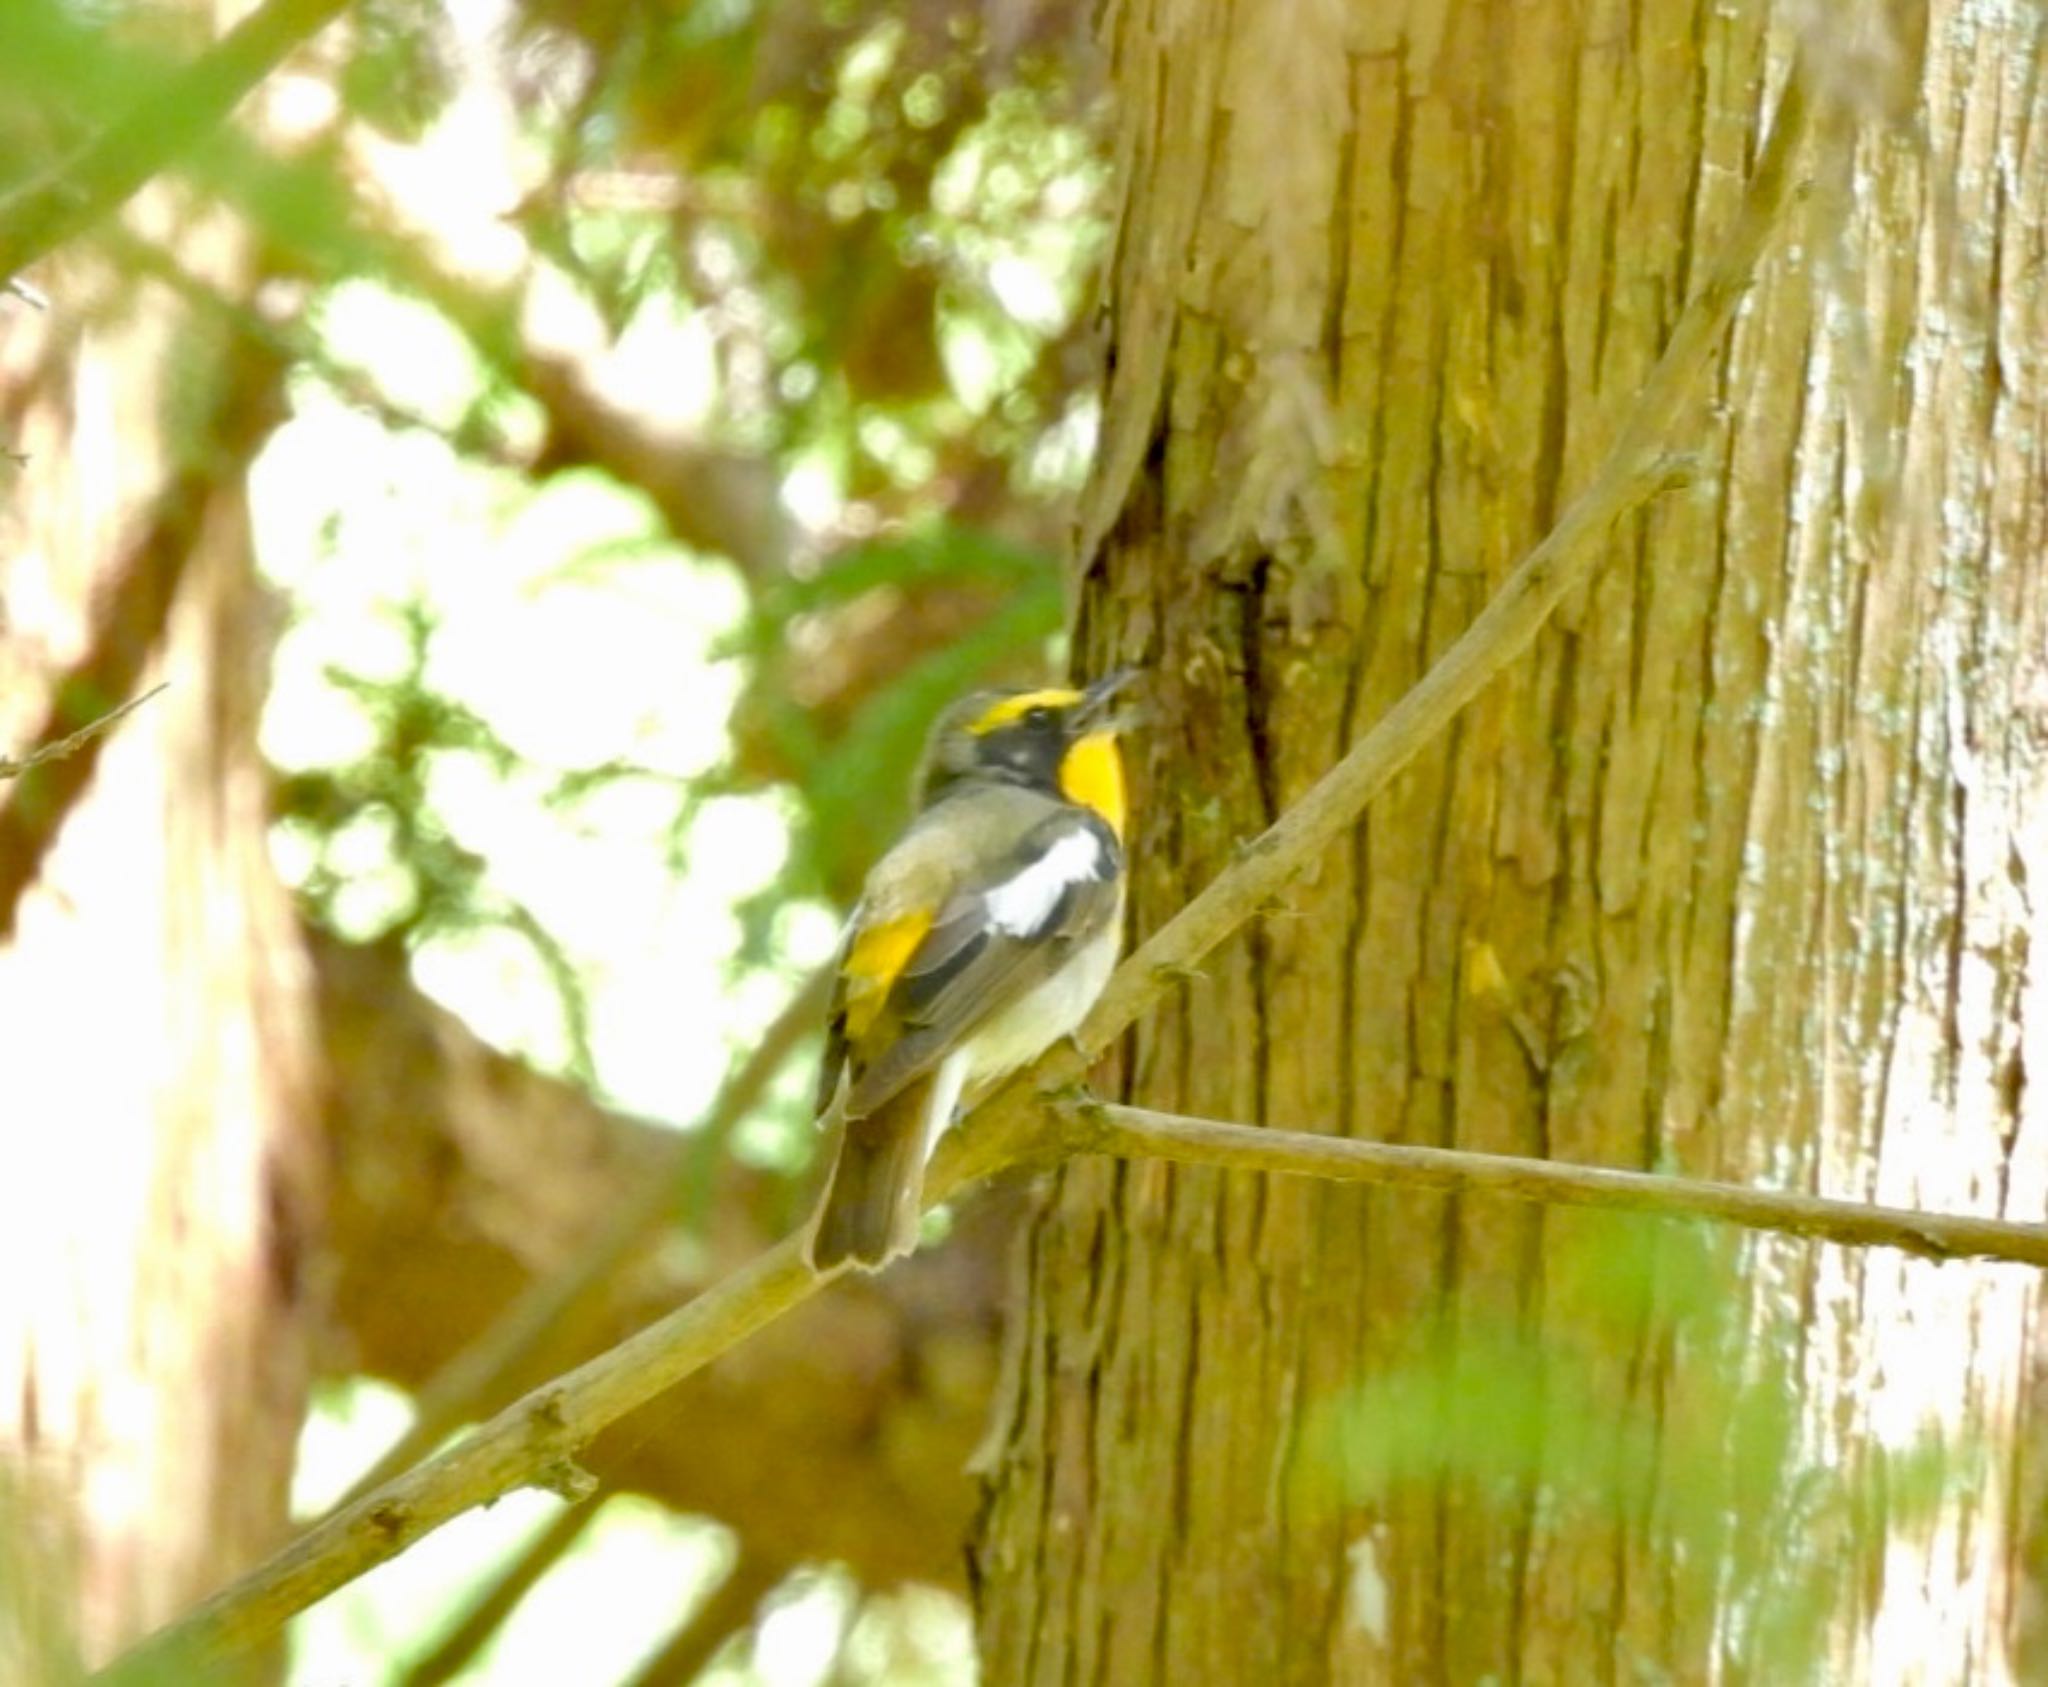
{"points": [[981, 937]]}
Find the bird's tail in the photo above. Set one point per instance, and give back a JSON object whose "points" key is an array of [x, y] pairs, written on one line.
{"points": [[869, 1215]]}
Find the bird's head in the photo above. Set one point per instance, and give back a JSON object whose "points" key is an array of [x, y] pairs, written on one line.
{"points": [[1057, 739]]}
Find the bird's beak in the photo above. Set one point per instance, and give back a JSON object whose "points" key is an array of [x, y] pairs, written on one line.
{"points": [[1096, 713]]}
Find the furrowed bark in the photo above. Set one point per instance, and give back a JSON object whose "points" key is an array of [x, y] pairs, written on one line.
{"points": [[1727, 878]]}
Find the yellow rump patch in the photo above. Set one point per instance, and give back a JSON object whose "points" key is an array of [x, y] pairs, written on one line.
{"points": [[1015, 708], [873, 962], [1092, 774]]}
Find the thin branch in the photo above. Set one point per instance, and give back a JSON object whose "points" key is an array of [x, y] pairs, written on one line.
{"points": [[98, 178], [479, 1373], [1092, 1127], [426, 1109], [531, 1435], [130, 613], [76, 741], [549, 1424]]}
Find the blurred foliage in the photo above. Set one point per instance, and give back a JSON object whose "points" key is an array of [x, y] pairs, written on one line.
{"points": [[376, 839], [1652, 1412], [35, 1629], [861, 232], [399, 69], [1015, 604], [878, 217]]}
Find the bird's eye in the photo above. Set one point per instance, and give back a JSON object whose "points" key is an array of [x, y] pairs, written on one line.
{"points": [[1040, 716]]}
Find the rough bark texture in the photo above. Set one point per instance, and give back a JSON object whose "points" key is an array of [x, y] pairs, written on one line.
{"points": [[1733, 876], [157, 1170]]}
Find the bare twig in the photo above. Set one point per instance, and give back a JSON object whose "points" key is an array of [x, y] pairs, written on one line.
{"points": [[131, 610], [505, 1453], [479, 1373], [44, 213], [73, 742], [129, 619], [1092, 1127], [554, 1420]]}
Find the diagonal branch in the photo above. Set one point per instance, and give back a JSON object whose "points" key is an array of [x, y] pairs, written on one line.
{"points": [[131, 609], [550, 1423], [464, 1180], [128, 621], [533, 1434], [73, 742], [1092, 1127], [481, 1370], [44, 213]]}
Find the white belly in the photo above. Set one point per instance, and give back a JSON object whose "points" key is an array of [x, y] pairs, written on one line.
{"points": [[1025, 1029], [1033, 1023]]}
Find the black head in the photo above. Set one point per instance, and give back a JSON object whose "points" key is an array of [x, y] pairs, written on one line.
{"points": [[1020, 737]]}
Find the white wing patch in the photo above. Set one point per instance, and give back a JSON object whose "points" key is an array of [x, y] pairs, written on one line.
{"points": [[1021, 906]]}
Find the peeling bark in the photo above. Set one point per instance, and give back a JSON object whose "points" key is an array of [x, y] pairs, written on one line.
{"points": [[1731, 877]]}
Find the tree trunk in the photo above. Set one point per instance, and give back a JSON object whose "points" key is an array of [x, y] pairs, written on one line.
{"points": [[1730, 876], [158, 1156]]}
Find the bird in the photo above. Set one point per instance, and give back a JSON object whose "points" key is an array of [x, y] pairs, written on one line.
{"points": [[982, 936]]}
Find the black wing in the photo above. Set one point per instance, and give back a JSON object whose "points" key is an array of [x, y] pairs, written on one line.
{"points": [[834, 1061], [994, 939]]}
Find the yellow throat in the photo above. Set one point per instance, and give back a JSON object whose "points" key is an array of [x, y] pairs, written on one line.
{"points": [[1092, 774]]}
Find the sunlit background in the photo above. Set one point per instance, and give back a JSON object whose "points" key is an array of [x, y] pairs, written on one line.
{"points": [[607, 781], [504, 701]]}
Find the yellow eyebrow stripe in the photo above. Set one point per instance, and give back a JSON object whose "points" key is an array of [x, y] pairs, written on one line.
{"points": [[874, 961], [1015, 708]]}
